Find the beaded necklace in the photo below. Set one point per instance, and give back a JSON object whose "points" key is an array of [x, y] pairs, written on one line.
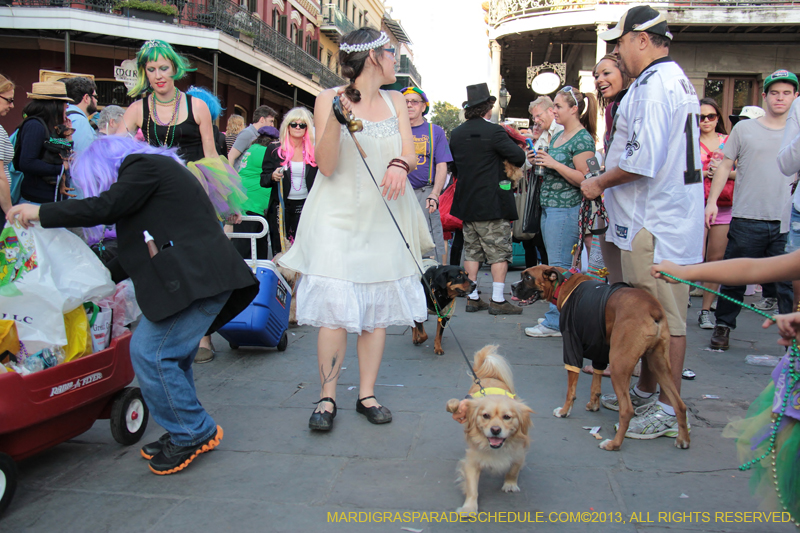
{"points": [[174, 96], [171, 124]]}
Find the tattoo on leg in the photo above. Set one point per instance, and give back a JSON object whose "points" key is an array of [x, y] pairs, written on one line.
{"points": [[333, 374]]}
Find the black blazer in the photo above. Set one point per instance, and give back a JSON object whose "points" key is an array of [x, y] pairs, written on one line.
{"points": [[157, 194], [479, 149], [268, 166]]}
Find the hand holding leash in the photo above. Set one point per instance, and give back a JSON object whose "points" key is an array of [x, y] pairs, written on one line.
{"points": [[591, 188], [341, 110]]}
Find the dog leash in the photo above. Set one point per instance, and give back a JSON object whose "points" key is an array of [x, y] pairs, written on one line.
{"points": [[439, 316], [791, 382]]}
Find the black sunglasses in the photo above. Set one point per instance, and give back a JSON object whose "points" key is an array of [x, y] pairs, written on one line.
{"points": [[710, 116], [300, 125], [9, 100]]}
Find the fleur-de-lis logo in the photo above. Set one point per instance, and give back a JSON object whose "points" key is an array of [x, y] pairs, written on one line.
{"points": [[632, 145]]}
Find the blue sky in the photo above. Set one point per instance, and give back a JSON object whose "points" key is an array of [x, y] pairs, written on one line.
{"points": [[449, 42]]}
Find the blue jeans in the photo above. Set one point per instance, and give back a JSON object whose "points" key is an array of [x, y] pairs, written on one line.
{"points": [[754, 239], [793, 240], [560, 233], [162, 354]]}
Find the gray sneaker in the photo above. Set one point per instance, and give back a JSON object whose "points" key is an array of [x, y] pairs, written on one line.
{"points": [[610, 401], [704, 319], [651, 422], [766, 304]]}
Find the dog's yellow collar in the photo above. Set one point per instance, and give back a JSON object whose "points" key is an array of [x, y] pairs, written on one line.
{"points": [[493, 391]]}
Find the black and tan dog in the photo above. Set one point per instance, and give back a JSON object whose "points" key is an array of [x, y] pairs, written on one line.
{"points": [[615, 325], [441, 284]]}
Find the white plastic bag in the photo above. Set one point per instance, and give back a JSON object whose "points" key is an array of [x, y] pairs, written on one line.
{"points": [[124, 307], [57, 273]]}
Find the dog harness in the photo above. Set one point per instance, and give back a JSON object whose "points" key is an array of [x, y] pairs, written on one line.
{"points": [[491, 391], [583, 325]]}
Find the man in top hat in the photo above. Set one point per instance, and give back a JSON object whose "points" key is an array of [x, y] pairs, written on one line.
{"points": [[484, 204], [653, 192], [433, 154]]}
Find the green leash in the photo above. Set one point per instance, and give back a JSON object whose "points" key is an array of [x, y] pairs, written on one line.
{"points": [[791, 382]]}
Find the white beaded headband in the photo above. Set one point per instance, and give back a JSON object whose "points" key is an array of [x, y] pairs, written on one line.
{"points": [[363, 47]]}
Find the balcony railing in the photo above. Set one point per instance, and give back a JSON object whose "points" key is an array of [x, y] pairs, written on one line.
{"points": [[504, 10], [407, 67], [229, 18], [335, 23]]}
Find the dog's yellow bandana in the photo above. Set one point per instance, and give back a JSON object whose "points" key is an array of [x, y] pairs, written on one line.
{"points": [[493, 391]]}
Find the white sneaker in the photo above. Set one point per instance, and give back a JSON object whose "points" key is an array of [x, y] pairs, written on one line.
{"points": [[766, 304], [704, 319], [652, 422], [610, 401], [542, 331], [539, 320]]}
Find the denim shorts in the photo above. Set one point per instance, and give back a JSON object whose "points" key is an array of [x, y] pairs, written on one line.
{"points": [[793, 239]]}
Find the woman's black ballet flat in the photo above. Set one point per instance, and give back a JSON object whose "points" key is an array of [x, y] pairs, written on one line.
{"points": [[323, 421], [376, 415]]}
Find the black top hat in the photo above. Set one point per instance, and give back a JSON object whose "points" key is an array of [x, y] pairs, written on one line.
{"points": [[478, 94]]}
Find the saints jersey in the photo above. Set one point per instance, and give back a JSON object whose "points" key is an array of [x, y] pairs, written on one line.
{"points": [[656, 135]]}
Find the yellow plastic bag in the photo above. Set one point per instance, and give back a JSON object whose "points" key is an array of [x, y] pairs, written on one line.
{"points": [[79, 338], [9, 340]]}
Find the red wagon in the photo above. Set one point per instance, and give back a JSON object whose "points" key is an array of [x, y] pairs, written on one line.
{"points": [[49, 407]]}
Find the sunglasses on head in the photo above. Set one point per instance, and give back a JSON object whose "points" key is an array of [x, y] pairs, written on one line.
{"points": [[710, 116], [568, 89], [300, 125]]}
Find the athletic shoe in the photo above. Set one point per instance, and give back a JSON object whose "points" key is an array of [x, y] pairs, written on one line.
{"points": [[651, 422], [704, 319], [173, 458], [148, 451], [539, 320], [766, 304], [542, 331], [610, 401], [696, 293]]}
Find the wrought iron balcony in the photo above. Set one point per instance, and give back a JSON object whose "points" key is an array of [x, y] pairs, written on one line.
{"points": [[408, 68], [227, 17], [335, 23], [506, 10]]}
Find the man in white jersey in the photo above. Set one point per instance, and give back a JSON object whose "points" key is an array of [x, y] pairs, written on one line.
{"points": [[653, 192]]}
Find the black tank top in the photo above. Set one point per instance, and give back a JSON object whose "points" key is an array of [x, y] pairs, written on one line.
{"points": [[186, 135]]}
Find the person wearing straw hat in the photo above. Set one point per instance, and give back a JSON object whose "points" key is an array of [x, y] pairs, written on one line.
{"points": [[45, 111]]}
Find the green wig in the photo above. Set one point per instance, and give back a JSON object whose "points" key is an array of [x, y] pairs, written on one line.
{"points": [[151, 51]]}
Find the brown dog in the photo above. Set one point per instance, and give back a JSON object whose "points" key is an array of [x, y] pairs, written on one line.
{"points": [[497, 425], [635, 327], [441, 285]]}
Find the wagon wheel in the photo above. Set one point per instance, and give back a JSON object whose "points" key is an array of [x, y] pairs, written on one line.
{"points": [[8, 481], [129, 415], [284, 342]]}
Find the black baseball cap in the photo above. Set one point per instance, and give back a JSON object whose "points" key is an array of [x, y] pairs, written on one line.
{"points": [[639, 18]]}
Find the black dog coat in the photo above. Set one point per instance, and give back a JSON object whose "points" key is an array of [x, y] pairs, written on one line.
{"points": [[583, 324]]}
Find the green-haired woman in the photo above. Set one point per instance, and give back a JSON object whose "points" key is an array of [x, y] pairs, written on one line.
{"points": [[168, 117]]}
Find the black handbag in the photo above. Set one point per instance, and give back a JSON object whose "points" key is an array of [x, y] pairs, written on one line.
{"points": [[533, 211]]}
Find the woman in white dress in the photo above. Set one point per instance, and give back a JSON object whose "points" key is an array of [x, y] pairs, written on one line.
{"points": [[358, 275]]}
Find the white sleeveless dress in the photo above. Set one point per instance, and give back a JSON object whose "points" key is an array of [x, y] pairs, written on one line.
{"points": [[357, 273]]}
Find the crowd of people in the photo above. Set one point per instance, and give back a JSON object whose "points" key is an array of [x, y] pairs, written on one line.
{"points": [[334, 202]]}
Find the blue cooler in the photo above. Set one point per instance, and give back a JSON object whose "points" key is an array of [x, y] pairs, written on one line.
{"points": [[266, 319]]}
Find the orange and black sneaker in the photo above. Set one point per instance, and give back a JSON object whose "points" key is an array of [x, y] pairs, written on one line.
{"points": [[150, 450], [173, 458]]}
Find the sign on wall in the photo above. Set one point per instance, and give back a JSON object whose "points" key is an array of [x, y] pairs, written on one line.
{"points": [[127, 73]]}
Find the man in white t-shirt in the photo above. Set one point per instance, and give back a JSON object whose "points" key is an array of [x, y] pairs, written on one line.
{"points": [[762, 196], [653, 192]]}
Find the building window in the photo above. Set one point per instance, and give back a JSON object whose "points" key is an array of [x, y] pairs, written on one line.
{"points": [[346, 6], [732, 93], [275, 18], [282, 25], [360, 16], [330, 56]]}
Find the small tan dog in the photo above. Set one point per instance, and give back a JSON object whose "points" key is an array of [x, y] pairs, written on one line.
{"points": [[496, 430]]}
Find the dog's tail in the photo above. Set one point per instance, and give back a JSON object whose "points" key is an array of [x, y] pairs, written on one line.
{"points": [[490, 364]]}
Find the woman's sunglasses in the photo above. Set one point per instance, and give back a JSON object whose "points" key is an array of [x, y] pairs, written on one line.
{"points": [[710, 116], [9, 100], [300, 125]]}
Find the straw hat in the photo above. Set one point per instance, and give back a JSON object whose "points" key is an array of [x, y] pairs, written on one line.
{"points": [[49, 90]]}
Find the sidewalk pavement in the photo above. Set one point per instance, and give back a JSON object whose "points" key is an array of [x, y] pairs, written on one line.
{"points": [[272, 474]]}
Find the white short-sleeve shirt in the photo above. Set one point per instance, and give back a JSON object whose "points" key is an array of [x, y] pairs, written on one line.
{"points": [[656, 135]]}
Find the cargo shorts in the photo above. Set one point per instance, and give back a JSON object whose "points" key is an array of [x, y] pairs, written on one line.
{"points": [[488, 241]]}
